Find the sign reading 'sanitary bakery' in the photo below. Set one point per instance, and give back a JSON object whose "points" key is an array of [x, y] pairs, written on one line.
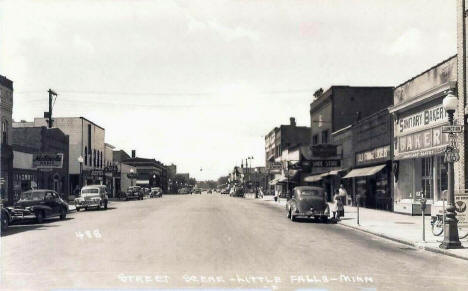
{"points": [[422, 120]]}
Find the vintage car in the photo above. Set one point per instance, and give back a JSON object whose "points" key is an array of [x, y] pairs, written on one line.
{"points": [[6, 218], [134, 192], [92, 196], [236, 192], [308, 202], [196, 191], [155, 192], [38, 205]]}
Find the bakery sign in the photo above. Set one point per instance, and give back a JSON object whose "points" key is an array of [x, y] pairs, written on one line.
{"points": [[422, 120], [419, 144], [47, 160], [375, 155]]}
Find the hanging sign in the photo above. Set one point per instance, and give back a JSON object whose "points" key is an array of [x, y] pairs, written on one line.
{"points": [[47, 160]]}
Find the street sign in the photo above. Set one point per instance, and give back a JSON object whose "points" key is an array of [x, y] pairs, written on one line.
{"points": [[461, 210], [452, 128]]}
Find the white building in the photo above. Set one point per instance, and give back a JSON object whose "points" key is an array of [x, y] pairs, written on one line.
{"points": [[87, 141]]}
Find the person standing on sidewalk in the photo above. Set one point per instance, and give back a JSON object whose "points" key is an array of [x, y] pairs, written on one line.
{"points": [[337, 207], [344, 198]]}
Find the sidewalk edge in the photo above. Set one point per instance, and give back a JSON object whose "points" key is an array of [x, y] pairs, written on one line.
{"points": [[406, 242]]}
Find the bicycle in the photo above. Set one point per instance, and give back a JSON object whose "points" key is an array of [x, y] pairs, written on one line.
{"points": [[437, 224]]}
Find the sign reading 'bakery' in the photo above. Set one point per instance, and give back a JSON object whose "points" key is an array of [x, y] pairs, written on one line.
{"points": [[422, 120]]}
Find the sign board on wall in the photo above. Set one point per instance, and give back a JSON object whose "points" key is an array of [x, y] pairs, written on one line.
{"points": [[424, 143], [375, 155], [326, 163], [47, 160], [461, 205], [324, 150], [422, 120]]}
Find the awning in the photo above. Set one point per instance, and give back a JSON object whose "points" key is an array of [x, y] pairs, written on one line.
{"points": [[332, 173], [142, 182], [363, 172], [274, 181], [313, 178]]}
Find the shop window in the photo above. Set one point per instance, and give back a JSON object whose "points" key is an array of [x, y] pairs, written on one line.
{"points": [[427, 177], [315, 139], [325, 137]]}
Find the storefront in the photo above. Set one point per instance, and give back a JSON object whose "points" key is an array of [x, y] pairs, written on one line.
{"points": [[6, 166], [418, 142], [370, 179]]}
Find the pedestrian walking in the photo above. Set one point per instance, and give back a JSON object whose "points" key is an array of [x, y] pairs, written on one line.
{"points": [[337, 208]]}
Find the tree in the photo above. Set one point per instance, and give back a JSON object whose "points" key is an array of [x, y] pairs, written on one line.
{"points": [[223, 180]]}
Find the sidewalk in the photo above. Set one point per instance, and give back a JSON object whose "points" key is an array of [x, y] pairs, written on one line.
{"points": [[401, 228]]}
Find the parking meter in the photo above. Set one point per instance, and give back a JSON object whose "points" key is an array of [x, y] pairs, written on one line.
{"points": [[422, 200], [423, 204]]}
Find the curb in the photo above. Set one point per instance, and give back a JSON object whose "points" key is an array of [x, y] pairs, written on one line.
{"points": [[406, 242]]}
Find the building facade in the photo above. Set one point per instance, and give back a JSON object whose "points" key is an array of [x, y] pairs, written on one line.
{"points": [[277, 143], [332, 116], [418, 140], [150, 172], [370, 177], [86, 140], [6, 154]]}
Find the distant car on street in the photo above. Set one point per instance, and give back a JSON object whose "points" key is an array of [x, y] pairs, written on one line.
{"points": [[308, 202], [38, 205], [134, 192], [155, 192], [184, 191], [92, 196], [196, 191], [225, 191]]}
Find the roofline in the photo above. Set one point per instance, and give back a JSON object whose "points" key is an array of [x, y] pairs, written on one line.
{"points": [[420, 74]]}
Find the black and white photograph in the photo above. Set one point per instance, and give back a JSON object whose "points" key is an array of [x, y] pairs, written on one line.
{"points": [[304, 145]]}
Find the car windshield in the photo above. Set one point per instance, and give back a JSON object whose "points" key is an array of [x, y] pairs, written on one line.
{"points": [[89, 191], [32, 195], [310, 192]]}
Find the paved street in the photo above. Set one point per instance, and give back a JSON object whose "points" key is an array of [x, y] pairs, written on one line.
{"points": [[213, 241]]}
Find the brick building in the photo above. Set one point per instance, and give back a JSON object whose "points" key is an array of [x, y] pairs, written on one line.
{"points": [[27, 141], [6, 154], [331, 115], [150, 172], [277, 141]]}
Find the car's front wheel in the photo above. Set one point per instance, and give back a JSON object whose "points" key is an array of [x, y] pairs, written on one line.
{"points": [[63, 214], [5, 222], [105, 204], [40, 217]]}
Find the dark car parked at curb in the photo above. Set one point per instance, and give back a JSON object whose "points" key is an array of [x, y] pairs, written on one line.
{"points": [[6, 218], [38, 205], [92, 196], [308, 202]]}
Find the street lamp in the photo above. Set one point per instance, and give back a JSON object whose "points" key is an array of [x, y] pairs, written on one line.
{"points": [[81, 160], [131, 177], [154, 180], [451, 239]]}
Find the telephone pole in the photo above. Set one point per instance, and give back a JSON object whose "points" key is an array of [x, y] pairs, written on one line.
{"points": [[49, 114]]}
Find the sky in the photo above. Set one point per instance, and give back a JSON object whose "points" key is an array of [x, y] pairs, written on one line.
{"points": [[200, 83]]}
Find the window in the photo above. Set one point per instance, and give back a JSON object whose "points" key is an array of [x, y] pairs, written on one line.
{"points": [[426, 177], [315, 139], [325, 137], [86, 155], [5, 132]]}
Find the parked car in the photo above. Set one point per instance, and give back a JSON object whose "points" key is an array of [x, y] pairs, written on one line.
{"points": [[308, 202], [38, 205], [196, 191], [6, 218], [92, 196], [155, 192], [184, 191], [225, 191], [134, 192], [210, 191]]}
